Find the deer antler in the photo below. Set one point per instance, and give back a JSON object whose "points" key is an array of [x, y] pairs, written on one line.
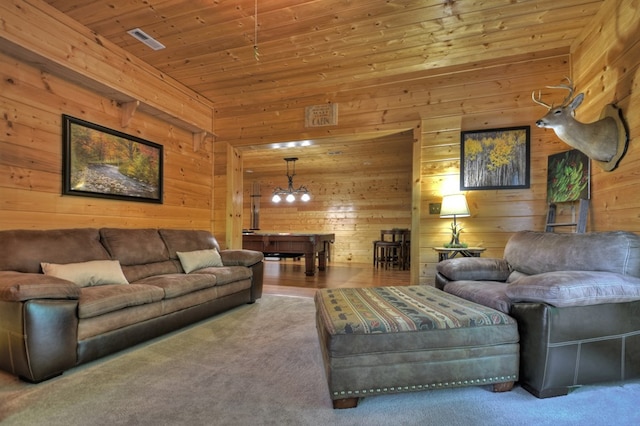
{"points": [[566, 101], [539, 100], [568, 87]]}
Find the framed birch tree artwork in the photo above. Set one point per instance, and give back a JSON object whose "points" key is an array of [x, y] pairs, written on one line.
{"points": [[495, 158]]}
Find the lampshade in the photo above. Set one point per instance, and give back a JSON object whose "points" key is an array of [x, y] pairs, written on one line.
{"points": [[454, 205]]}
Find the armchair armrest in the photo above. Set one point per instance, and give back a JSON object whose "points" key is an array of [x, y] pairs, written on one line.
{"points": [[474, 269], [21, 286], [241, 257]]}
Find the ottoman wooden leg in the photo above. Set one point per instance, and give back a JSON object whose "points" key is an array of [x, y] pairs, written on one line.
{"points": [[503, 387], [345, 403]]}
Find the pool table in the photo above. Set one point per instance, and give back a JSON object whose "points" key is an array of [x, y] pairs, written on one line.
{"points": [[279, 244]]}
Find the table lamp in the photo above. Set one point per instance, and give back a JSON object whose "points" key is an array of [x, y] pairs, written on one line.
{"points": [[454, 205]]}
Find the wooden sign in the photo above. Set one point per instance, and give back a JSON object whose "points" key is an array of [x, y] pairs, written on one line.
{"points": [[321, 115]]}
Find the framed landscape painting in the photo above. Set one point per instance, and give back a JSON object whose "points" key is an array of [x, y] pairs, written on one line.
{"points": [[495, 158], [105, 163]]}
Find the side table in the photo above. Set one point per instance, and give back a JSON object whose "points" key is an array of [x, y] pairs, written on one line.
{"points": [[448, 253]]}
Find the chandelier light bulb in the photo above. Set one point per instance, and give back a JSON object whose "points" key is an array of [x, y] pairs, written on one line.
{"points": [[305, 197], [276, 198], [291, 198]]}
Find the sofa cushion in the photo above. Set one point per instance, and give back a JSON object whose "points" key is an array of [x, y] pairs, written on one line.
{"points": [[514, 275], [86, 274], [187, 240], [227, 274], [198, 259], [175, 285], [487, 293], [135, 273], [538, 252], [134, 246], [102, 299], [575, 288], [474, 268], [23, 250]]}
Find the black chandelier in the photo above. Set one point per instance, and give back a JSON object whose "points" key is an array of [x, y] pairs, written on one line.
{"points": [[290, 193]]}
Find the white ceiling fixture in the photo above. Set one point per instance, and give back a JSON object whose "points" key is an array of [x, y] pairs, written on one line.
{"points": [[140, 35]]}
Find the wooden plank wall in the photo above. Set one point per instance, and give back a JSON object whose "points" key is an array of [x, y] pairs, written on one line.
{"points": [[495, 97], [606, 67], [488, 96], [31, 105]]}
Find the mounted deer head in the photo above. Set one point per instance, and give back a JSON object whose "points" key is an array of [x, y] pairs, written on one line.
{"points": [[604, 140]]}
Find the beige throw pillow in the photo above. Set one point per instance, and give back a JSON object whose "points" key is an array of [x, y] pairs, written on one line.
{"points": [[87, 274], [193, 260]]}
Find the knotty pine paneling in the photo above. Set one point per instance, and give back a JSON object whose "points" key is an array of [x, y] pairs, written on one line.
{"points": [[31, 105], [498, 96], [479, 98], [606, 67], [440, 95]]}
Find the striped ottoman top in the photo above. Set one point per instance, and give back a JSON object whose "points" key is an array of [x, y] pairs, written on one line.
{"points": [[401, 309]]}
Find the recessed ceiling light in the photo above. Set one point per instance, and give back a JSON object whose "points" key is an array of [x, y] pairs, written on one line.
{"points": [[140, 35]]}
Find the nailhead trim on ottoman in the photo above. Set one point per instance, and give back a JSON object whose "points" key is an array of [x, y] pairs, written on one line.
{"points": [[402, 339]]}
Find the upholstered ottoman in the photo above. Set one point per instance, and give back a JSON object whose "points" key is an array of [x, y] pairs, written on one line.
{"points": [[400, 339]]}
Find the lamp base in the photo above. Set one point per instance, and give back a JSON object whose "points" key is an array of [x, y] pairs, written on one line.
{"points": [[455, 236]]}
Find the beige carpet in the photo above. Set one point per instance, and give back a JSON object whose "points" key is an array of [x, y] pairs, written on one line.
{"points": [[260, 365]]}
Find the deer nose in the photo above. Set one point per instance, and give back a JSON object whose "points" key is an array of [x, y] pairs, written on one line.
{"points": [[540, 123]]}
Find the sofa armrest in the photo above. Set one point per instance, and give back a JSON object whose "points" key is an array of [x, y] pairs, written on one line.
{"points": [[241, 257], [20, 287], [474, 269], [251, 259], [39, 337]]}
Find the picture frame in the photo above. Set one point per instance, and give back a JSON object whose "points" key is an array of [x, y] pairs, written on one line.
{"points": [[105, 163], [568, 177], [495, 158]]}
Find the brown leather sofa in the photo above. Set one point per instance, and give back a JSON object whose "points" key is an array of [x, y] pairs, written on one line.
{"points": [[107, 289], [576, 298]]}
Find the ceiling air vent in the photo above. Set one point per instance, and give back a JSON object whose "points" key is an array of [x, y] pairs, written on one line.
{"points": [[137, 33]]}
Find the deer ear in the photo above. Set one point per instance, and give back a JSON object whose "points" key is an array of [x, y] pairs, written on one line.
{"points": [[575, 103]]}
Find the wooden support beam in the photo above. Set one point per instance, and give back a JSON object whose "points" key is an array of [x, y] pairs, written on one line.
{"points": [[128, 109], [198, 138]]}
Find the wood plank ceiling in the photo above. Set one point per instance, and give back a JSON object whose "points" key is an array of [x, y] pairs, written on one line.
{"points": [[314, 47]]}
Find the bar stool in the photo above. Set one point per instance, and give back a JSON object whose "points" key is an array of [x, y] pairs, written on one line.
{"points": [[387, 254], [393, 248]]}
